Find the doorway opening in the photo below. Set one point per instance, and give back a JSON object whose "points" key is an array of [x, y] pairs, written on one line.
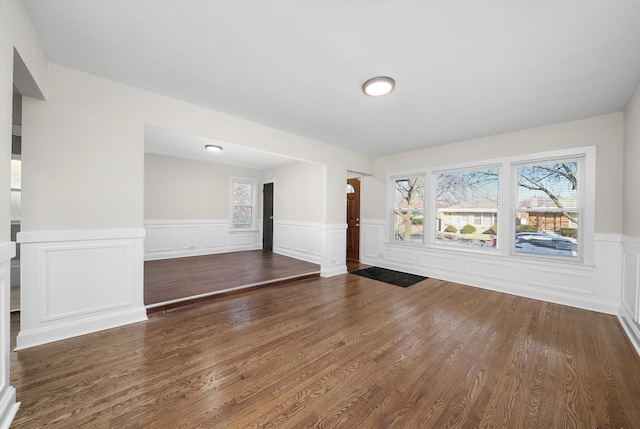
{"points": [[353, 219], [16, 194], [267, 216]]}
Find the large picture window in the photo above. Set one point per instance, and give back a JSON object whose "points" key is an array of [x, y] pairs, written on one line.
{"points": [[537, 206], [548, 208], [408, 210], [243, 204], [467, 207]]}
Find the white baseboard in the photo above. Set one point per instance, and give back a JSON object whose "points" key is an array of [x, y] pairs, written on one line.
{"points": [[631, 328], [334, 271], [8, 407], [88, 325], [8, 404]]}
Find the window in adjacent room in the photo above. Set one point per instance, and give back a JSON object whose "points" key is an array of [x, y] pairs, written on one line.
{"points": [[16, 186], [243, 204]]}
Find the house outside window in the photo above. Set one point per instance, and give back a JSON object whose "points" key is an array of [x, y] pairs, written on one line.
{"points": [[548, 207], [539, 205], [408, 209], [467, 207], [243, 203]]}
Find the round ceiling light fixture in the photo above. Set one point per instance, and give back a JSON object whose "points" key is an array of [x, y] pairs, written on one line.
{"points": [[213, 148], [377, 86]]}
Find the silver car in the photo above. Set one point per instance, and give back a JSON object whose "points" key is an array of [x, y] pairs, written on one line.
{"points": [[546, 244]]}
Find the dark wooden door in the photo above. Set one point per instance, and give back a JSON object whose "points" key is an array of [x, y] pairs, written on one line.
{"points": [[353, 219], [267, 217]]}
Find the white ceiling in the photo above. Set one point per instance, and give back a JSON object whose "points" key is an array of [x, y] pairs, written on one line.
{"points": [[162, 141], [464, 69]]}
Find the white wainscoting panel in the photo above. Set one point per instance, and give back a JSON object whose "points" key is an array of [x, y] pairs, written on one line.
{"points": [[8, 404], [177, 238], [77, 282], [159, 238], [372, 237], [595, 287], [630, 307], [334, 250], [300, 240]]}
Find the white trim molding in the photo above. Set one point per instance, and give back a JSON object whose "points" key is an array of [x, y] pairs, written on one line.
{"points": [[77, 282], [8, 404], [300, 240], [629, 313], [334, 250], [192, 237], [593, 287]]}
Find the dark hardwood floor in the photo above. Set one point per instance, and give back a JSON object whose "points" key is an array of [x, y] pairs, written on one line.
{"points": [[345, 352], [184, 279]]}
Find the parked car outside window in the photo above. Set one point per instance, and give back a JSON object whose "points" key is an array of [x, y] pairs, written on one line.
{"points": [[546, 244]]}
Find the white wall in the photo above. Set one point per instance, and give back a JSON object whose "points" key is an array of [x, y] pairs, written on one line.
{"points": [[90, 134], [594, 285], [83, 176], [630, 306], [23, 63], [298, 190], [603, 132], [631, 186], [187, 208], [176, 188], [299, 196]]}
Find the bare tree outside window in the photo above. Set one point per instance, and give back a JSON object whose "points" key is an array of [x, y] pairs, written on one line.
{"points": [[467, 207], [548, 207], [408, 213]]}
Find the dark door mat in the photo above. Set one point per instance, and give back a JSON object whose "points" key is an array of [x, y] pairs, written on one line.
{"points": [[396, 278]]}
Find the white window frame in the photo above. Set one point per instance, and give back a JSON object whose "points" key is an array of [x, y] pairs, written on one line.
{"points": [[582, 210], [467, 167], [506, 209], [391, 197], [254, 202], [16, 190]]}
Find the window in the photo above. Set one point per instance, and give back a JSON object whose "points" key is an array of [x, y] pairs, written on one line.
{"points": [[467, 207], [548, 207], [16, 188], [537, 206], [408, 209], [243, 204]]}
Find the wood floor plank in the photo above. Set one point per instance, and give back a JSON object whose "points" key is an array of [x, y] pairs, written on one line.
{"points": [[340, 352], [168, 280]]}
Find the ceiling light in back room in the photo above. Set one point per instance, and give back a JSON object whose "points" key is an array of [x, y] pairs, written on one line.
{"points": [[378, 86], [213, 148]]}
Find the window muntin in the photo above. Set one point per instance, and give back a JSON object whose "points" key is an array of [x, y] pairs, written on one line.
{"points": [[467, 203], [243, 204], [408, 209], [548, 207]]}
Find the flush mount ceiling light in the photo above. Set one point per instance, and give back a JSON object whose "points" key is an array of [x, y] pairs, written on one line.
{"points": [[213, 148], [378, 86]]}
